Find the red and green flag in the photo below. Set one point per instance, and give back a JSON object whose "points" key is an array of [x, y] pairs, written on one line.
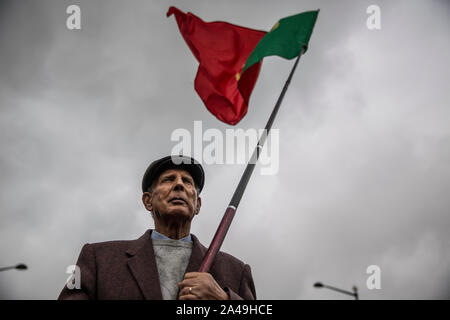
{"points": [[230, 57]]}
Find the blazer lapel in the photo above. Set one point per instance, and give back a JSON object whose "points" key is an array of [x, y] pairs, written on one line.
{"points": [[142, 264], [198, 252]]}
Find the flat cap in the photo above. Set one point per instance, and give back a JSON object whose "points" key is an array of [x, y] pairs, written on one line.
{"points": [[189, 164]]}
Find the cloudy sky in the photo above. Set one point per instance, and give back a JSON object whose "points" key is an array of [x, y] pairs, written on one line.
{"points": [[364, 152]]}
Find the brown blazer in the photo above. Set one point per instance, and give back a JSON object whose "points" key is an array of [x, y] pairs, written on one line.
{"points": [[127, 270]]}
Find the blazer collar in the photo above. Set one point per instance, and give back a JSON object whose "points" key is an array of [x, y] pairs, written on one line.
{"points": [[198, 252], [142, 264]]}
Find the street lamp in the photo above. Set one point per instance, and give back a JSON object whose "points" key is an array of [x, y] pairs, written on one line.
{"points": [[354, 293], [20, 266]]}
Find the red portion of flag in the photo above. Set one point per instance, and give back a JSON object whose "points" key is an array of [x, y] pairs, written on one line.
{"points": [[221, 49]]}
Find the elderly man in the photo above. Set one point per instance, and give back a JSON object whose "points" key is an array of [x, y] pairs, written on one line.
{"points": [[162, 263]]}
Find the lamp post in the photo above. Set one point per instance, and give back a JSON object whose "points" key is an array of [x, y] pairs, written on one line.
{"points": [[354, 293], [20, 266]]}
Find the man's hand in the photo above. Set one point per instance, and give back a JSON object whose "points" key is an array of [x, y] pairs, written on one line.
{"points": [[200, 286]]}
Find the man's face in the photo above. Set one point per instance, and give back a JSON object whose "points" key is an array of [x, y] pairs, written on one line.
{"points": [[173, 196]]}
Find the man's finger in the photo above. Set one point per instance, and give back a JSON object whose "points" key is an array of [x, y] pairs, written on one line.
{"points": [[188, 297], [190, 275], [186, 291], [188, 283]]}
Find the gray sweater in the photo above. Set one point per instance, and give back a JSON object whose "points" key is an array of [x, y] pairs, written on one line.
{"points": [[172, 258]]}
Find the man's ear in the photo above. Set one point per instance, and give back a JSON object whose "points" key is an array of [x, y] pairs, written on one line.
{"points": [[199, 204], [147, 200]]}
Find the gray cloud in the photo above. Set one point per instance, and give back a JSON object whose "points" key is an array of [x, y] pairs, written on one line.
{"points": [[364, 143]]}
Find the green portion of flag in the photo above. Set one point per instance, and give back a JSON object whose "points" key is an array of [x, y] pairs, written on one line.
{"points": [[287, 37]]}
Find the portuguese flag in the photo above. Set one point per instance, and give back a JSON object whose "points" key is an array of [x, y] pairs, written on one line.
{"points": [[230, 57]]}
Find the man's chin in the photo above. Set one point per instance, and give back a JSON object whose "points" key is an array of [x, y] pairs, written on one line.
{"points": [[181, 212]]}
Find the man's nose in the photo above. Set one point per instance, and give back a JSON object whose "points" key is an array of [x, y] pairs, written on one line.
{"points": [[179, 184]]}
